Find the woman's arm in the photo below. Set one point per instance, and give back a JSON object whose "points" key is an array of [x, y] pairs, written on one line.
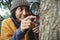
{"points": [[18, 35], [7, 35]]}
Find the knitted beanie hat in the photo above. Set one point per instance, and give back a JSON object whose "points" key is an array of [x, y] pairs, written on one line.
{"points": [[16, 3]]}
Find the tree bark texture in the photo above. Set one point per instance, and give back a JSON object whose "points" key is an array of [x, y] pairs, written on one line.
{"points": [[49, 20]]}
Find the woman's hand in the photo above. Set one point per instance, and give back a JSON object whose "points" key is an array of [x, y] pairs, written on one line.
{"points": [[35, 28], [26, 23], [35, 25]]}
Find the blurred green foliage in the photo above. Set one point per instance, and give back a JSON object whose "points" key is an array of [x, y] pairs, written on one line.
{"points": [[6, 3]]}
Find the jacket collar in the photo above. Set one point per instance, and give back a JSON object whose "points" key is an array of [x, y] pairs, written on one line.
{"points": [[17, 24]]}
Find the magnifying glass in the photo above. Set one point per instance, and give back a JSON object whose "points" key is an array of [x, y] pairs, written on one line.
{"points": [[35, 8]]}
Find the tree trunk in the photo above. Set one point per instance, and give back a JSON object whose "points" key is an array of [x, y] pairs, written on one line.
{"points": [[49, 20]]}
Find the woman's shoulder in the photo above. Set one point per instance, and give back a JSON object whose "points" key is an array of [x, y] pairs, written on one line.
{"points": [[7, 20]]}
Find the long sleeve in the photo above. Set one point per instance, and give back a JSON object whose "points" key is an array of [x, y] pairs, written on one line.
{"points": [[8, 31], [18, 35]]}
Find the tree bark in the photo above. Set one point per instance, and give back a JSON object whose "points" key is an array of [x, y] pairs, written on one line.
{"points": [[49, 20]]}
